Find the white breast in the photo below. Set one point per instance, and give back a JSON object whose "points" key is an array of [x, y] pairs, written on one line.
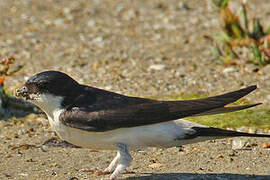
{"points": [[51, 105]]}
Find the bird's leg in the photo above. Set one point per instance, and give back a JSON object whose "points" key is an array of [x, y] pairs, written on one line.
{"points": [[114, 162], [124, 161]]}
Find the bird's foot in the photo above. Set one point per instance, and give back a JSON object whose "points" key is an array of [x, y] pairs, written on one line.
{"points": [[108, 169], [113, 164], [124, 161], [121, 162]]}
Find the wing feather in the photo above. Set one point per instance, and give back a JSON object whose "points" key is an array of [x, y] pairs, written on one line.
{"points": [[130, 111]]}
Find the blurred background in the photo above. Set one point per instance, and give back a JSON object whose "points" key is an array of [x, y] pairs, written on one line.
{"points": [[161, 49], [144, 48]]}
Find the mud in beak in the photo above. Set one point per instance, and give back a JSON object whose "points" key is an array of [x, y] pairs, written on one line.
{"points": [[22, 92]]}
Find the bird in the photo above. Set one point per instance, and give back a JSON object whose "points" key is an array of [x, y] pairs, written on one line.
{"points": [[90, 117]]}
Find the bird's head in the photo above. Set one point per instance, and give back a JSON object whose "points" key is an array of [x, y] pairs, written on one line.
{"points": [[48, 88]]}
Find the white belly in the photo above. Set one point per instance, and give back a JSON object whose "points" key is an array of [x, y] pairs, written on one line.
{"points": [[167, 134]]}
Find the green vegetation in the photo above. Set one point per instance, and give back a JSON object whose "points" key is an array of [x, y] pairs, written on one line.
{"points": [[229, 45], [255, 119]]}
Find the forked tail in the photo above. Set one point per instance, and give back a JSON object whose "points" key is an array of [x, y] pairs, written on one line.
{"points": [[216, 132]]}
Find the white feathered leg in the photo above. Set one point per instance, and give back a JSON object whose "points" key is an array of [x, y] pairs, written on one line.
{"points": [[124, 161], [114, 162]]}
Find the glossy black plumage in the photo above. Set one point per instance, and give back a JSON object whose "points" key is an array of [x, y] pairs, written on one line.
{"points": [[99, 110]]}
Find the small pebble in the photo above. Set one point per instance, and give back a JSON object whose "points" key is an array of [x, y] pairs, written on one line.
{"points": [[238, 144], [266, 145], [229, 70], [155, 165], [156, 67], [24, 174]]}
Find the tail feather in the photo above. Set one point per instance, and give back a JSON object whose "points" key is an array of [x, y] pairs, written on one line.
{"points": [[226, 109], [216, 132], [231, 97], [211, 105]]}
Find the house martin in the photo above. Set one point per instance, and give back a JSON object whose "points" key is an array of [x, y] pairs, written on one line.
{"points": [[94, 118]]}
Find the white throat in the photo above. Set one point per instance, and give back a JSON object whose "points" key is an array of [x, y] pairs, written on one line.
{"points": [[50, 104]]}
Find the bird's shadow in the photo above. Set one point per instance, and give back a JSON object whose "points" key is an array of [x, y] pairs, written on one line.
{"points": [[17, 108], [197, 176]]}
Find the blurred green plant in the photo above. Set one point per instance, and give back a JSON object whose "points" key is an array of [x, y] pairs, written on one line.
{"points": [[5, 71], [5, 66], [236, 33], [7, 101]]}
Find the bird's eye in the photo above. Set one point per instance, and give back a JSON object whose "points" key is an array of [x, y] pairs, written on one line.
{"points": [[42, 87], [36, 88]]}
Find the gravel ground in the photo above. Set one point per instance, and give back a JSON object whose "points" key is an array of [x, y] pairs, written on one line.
{"points": [[22, 156], [141, 48]]}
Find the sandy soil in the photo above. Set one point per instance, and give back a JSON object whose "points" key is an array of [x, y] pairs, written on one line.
{"points": [[141, 48]]}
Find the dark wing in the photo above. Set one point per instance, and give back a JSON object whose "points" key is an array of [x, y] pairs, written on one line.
{"points": [[121, 111]]}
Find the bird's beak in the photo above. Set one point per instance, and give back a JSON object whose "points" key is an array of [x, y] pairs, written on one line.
{"points": [[22, 92]]}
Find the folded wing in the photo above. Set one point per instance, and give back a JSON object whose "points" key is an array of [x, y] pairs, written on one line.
{"points": [[145, 112]]}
